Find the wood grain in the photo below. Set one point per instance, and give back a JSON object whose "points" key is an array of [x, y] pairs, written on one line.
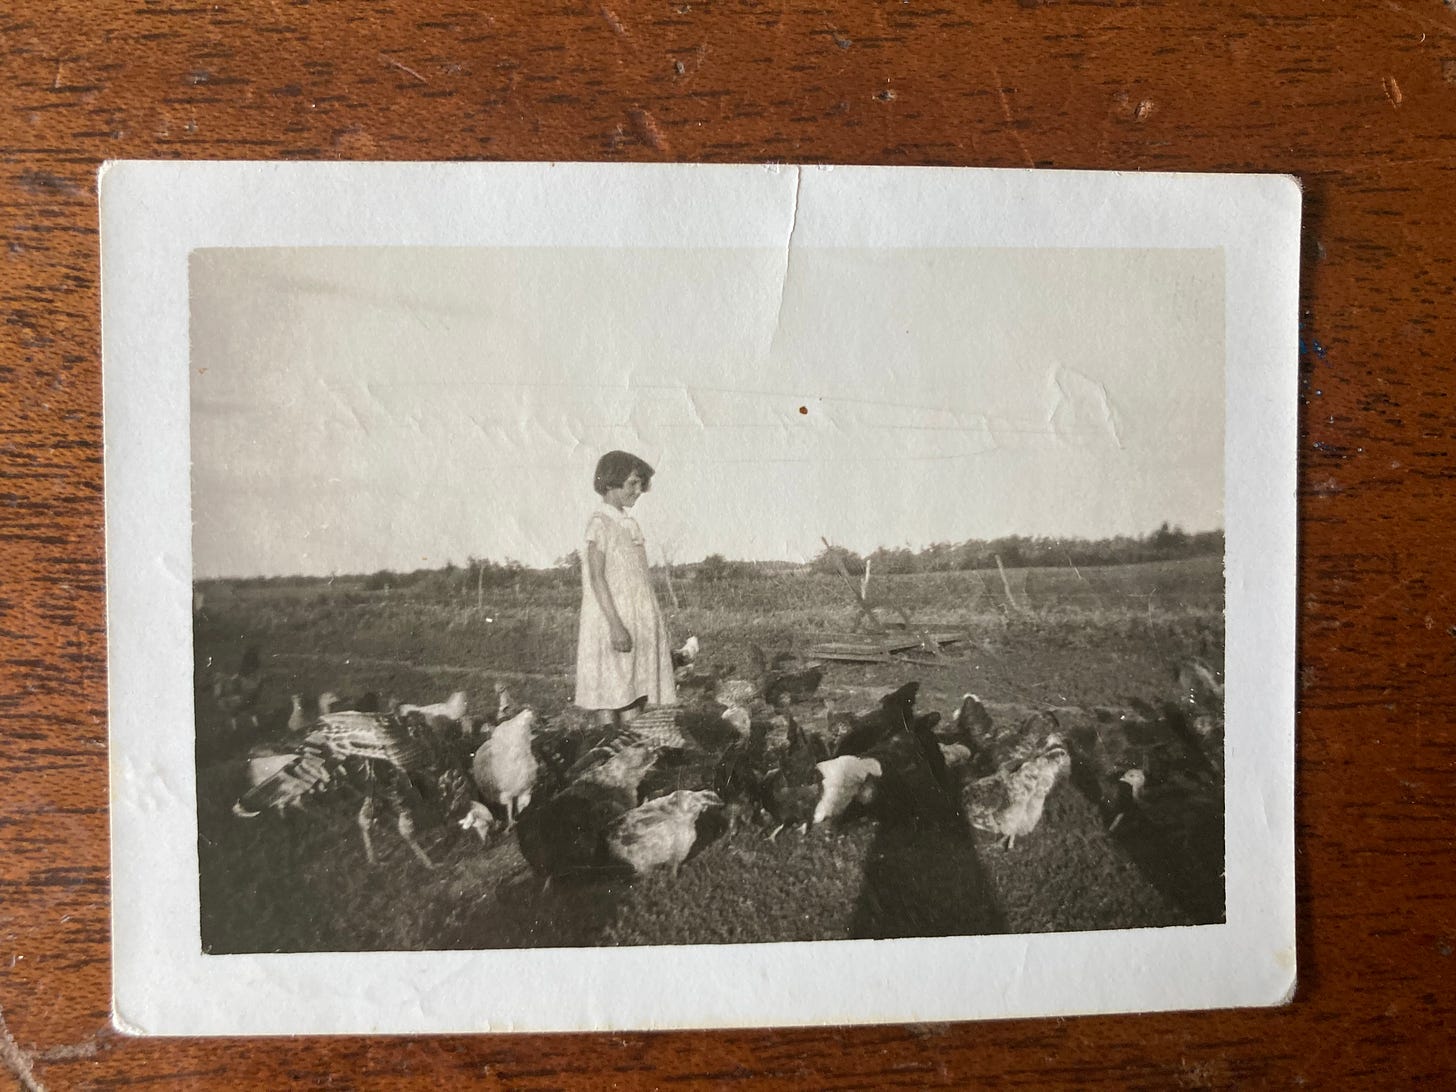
{"points": [[1358, 100]]}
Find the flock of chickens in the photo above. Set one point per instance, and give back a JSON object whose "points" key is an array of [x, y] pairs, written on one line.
{"points": [[738, 757]]}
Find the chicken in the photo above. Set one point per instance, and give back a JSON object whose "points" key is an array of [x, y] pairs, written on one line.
{"points": [[972, 722], [565, 835], [837, 725], [297, 719], [1123, 798], [1015, 745], [556, 751], [736, 693], [367, 702], [895, 713], [1010, 801], [622, 771], [697, 683], [1137, 782], [505, 703], [991, 746], [957, 755], [789, 790], [1183, 814], [505, 766], [236, 696], [685, 656], [453, 708], [789, 680], [847, 780], [480, 819], [784, 683], [743, 688], [221, 783], [1172, 721], [1200, 687], [738, 777], [660, 833], [916, 783], [739, 719], [397, 766]]}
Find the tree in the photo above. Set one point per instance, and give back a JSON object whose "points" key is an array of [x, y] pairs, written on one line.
{"points": [[714, 567], [824, 561], [1168, 540]]}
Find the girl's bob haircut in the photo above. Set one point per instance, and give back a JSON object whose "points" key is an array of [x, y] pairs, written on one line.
{"points": [[615, 467]]}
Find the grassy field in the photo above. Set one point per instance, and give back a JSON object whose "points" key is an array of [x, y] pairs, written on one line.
{"points": [[1062, 638]]}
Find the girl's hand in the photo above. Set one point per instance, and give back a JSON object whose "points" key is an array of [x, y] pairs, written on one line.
{"points": [[621, 639]]}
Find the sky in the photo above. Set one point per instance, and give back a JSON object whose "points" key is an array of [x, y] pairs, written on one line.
{"points": [[357, 409]]}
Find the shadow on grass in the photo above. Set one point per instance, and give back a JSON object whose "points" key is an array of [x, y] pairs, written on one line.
{"points": [[1177, 846], [924, 881]]}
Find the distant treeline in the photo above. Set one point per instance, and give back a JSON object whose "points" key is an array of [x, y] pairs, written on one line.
{"points": [[1014, 551], [1018, 551]]}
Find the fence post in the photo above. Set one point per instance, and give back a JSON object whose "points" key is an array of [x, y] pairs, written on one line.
{"points": [[1007, 585]]}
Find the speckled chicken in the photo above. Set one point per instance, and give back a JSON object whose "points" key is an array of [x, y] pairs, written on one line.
{"points": [[398, 766], [660, 833], [1010, 802]]}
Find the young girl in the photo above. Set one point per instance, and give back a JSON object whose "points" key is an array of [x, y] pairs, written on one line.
{"points": [[623, 655]]}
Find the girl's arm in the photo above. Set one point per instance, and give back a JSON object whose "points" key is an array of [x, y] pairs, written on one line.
{"points": [[596, 567]]}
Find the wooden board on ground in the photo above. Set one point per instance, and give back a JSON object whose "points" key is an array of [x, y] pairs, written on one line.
{"points": [[880, 647]]}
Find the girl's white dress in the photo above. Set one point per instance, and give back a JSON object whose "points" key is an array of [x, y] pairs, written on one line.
{"points": [[605, 678]]}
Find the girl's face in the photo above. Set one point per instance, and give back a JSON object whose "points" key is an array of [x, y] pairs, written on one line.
{"points": [[625, 495]]}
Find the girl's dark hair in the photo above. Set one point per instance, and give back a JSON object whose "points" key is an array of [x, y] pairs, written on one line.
{"points": [[615, 467]]}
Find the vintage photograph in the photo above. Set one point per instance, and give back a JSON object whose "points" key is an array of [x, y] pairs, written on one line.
{"points": [[563, 597], [695, 596]]}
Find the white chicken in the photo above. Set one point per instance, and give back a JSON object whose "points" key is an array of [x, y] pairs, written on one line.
{"points": [[847, 779], [298, 720], [453, 708], [480, 819], [683, 657], [505, 767], [956, 755]]}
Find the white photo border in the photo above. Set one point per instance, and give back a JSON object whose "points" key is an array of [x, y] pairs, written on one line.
{"points": [[153, 214]]}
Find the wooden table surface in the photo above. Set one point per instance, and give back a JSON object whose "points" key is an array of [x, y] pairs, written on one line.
{"points": [[1358, 100]]}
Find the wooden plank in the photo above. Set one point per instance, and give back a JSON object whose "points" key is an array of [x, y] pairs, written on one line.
{"points": [[874, 648]]}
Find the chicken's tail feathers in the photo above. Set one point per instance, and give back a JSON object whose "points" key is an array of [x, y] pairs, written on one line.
{"points": [[305, 775]]}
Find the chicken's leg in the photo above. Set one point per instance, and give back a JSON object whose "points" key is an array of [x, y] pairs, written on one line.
{"points": [[366, 820], [407, 832]]}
